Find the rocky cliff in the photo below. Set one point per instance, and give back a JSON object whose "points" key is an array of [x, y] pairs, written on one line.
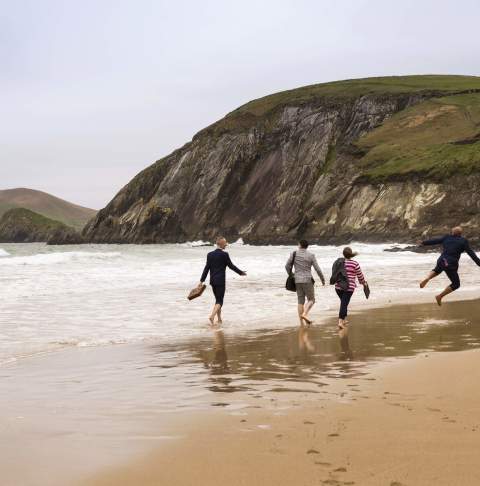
{"points": [[20, 225], [373, 159]]}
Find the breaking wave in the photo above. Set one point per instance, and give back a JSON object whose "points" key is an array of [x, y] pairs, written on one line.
{"points": [[58, 257]]}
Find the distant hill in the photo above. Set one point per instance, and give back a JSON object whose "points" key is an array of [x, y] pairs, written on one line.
{"points": [[46, 205], [20, 225]]}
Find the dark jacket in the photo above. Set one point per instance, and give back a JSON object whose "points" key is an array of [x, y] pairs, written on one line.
{"points": [[339, 274], [453, 247], [217, 262]]}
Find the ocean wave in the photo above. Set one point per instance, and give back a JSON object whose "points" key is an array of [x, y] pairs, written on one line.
{"points": [[58, 257], [193, 244], [4, 253]]}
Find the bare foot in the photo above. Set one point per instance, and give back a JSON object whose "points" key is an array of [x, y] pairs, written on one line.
{"points": [[306, 319], [423, 283], [219, 322], [341, 324], [438, 299], [211, 320]]}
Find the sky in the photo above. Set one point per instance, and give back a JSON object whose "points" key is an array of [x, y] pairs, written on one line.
{"points": [[94, 91]]}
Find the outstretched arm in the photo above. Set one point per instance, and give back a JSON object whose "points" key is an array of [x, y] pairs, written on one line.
{"points": [[317, 269], [233, 267], [472, 254], [433, 241]]}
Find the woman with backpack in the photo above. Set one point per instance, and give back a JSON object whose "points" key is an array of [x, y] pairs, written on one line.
{"points": [[345, 272]]}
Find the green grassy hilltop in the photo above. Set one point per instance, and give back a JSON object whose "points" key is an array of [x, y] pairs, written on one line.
{"points": [[437, 138], [47, 205], [352, 88]]}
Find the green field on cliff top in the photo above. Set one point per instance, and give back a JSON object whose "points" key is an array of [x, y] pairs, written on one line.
{"points": [[436, 138], [358, 87]]}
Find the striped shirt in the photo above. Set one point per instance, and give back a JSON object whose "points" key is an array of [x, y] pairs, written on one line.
{"points": [[353, 272]]}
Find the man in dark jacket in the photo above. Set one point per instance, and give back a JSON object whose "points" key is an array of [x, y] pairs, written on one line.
{"points": [[217, 262], [454, 245]]}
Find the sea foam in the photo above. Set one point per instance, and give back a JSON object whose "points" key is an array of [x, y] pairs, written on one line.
{"points": [[58, 257]]}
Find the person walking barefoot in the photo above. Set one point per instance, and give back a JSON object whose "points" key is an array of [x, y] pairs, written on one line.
{"points": [[302, 261], [454, 245], [217, 262], [347, 286]]}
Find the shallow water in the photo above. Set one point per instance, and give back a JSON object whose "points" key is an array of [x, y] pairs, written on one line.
{"points": [[103, 404], [56, 297]]}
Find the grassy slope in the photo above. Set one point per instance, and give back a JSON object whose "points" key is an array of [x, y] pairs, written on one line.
{"points": [[424, 140], [47, 205], [29, 219], [359, 87]]}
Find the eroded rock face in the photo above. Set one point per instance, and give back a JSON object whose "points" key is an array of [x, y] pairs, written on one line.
{"points": [[274, 178]]}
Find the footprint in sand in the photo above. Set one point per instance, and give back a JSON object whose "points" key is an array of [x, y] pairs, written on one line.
{"points": [[325, 464], [312, 451], [449, 420], [334, 435], [306, 422]]}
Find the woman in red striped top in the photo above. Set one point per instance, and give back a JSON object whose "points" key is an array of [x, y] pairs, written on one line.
{"points": [[354, 272]]}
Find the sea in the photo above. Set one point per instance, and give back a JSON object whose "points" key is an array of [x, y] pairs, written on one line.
{"points": [[54, 297]]}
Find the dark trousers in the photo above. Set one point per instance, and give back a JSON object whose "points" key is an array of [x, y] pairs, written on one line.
{"points": [[344, 296], [219, 293], [451, 270]]}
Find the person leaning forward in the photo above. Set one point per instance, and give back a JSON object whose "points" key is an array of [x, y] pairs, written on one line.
{"points": [[302, 261]]}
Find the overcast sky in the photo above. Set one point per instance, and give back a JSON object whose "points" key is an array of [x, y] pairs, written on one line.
{"points": [[93, 91]]}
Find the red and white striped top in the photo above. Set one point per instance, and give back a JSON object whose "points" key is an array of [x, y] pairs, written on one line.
{"points": [[353, 272]]}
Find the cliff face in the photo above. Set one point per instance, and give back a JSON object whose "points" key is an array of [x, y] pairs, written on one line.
{"points": [[20, 225], [323, 162]]}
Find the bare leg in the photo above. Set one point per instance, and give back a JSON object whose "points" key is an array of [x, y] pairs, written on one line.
{"points": [[306, 310], [215, 310], [219, 315], [427, 279], [439, 297], [341, 323], [300, 313]]}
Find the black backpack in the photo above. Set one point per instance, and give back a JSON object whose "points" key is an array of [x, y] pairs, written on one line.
{"points": [[339, 274]]}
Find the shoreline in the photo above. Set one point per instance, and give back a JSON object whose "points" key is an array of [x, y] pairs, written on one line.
{"points": [[104, 409], [417, 297]]}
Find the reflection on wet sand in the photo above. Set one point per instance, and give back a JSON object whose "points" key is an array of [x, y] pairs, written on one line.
{"points": [[346, 353], [309, 358]]}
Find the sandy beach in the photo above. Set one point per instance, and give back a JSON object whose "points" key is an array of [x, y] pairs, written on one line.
{"points": [[392, 402], [414, 423]]}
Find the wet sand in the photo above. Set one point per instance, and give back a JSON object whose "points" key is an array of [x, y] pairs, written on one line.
{"points": [[414, 423], [385, 404]]}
